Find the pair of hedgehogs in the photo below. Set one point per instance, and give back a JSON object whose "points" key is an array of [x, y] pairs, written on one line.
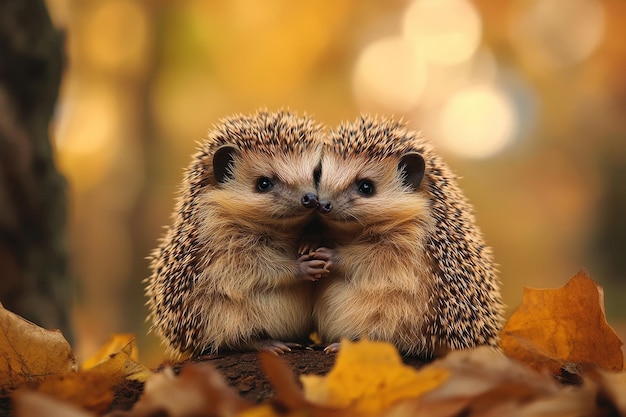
{"points": [[283, 228]]}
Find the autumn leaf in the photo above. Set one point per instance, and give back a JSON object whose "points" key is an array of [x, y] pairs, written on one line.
{"points": [[118, 359], [30, 354], [92, 388], [282, 379], [199, 390], [368, 377], [287, 394], [485, 382], [554, 327], [34, 404], [87, 390], [116, 343]]}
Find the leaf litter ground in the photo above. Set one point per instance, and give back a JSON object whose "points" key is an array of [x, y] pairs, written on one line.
{"points": [[560, 358]]}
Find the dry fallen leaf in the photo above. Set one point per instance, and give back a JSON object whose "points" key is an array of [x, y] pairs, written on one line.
{"points": [[199, 390], [116, 343], [92, 389], [288, 397], [369, 377], [118, 359], [286, 389], [30, 354], [88, 390], [484, 382], [554, 327], [34, 404]]}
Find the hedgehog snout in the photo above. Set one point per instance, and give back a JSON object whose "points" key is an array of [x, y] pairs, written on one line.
{"points": [[325, 207], [309, 200]]}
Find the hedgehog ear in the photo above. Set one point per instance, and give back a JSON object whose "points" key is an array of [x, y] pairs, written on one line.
{"points": [[412, 166], [223, 162]]}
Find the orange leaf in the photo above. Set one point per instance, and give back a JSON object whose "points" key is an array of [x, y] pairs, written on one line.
{"points": [[92, 389], [556, 326], [283, 381], [88, 390], [288, 397]]}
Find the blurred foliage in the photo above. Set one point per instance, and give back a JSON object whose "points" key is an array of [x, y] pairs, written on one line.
{"points": [[525, 98]]}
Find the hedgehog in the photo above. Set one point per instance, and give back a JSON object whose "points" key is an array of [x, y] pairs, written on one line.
{"points": [[408, 264], [227, 274]]}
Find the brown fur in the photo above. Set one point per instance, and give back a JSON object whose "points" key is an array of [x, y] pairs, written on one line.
{"points": [[408, 266], [226, 273]]}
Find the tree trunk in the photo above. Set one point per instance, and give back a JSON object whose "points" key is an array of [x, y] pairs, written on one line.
{"points": [[34, 279]]}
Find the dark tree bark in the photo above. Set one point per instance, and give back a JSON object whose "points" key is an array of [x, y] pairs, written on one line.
{"points": [[34, 280]]}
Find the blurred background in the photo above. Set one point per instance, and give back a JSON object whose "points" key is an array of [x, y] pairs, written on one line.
{"points": [[525, 99]]}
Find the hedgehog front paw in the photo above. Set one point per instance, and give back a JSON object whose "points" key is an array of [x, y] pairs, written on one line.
{"points": [[312, 269], [325, 254]]}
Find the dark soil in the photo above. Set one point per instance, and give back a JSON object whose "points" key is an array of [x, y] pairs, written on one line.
{"points": [[126, 394]]}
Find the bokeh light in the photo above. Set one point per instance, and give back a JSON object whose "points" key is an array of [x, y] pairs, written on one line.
{"points": [[89, 123], [443, 81], [477, 122], [559, 33], [443, 32], [126, 43], [437, 67], [388, 74]]}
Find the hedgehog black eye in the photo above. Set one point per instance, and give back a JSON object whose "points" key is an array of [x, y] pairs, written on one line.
{"points": [[264, 184], [366, 187]]}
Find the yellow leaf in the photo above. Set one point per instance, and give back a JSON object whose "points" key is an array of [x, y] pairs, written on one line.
{"points": [[30, 354], [369, 377], [116, 343], [555, 326], [123, 362]]}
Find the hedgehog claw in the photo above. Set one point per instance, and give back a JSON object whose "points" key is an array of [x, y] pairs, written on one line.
{"points": [[333, 348], [308, 245], [275, 346], [305, 248]]}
